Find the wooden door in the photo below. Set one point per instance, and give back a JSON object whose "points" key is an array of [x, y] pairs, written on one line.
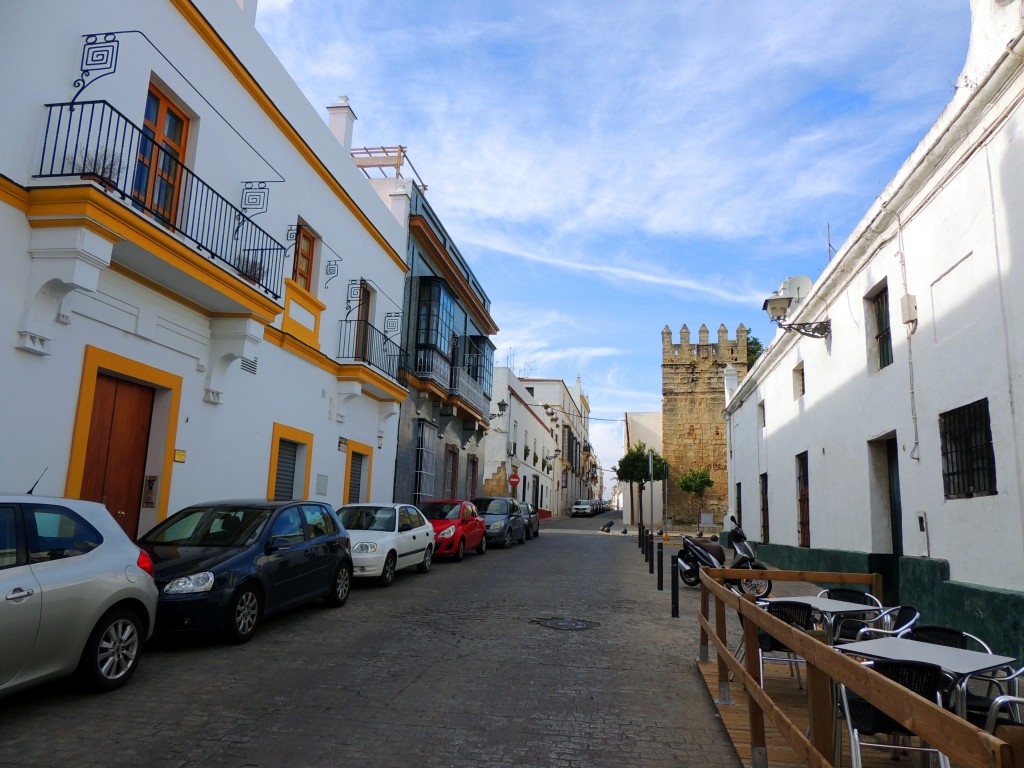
{"points": [[803, 501], [115, 462]]}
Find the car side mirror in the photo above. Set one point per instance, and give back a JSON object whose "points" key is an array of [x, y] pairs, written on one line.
{"points": [[405, 527], [277, 542]]}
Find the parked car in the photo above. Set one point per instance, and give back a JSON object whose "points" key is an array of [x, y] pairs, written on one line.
{"points": [[531, 520], [224, 566], [457, 527], [387, 538], [582, 508], [78, 595], [503, 518]]}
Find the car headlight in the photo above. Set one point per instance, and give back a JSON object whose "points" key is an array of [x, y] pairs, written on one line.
{"points": [[364, 547], [183, 585], [497, 525], [447, 533]]}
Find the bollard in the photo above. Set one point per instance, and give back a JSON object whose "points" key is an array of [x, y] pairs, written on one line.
{"points": [[646, 549], [640, 537], [661, 567], [673, 573], [650, 552]]}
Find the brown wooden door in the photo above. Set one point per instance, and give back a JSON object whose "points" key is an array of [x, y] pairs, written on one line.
{"points": [[115, 462]]}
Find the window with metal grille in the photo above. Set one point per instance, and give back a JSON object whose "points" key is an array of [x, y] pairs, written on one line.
{"points": [[355, 478], [425, 443], [764, 508], [803, 501], [284, 485], [883, 336], [798, 381], [968, 459]]}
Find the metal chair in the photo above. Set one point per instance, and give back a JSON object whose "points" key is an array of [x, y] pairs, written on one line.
{"points": [[1007, 726], [865, 719], [890, 622], [796, 615], [845, 631]]}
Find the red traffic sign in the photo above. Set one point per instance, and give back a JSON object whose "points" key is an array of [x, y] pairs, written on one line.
{"points": [[513, 479]]}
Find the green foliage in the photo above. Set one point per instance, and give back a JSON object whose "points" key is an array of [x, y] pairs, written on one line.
{"points": [[696, 481], [634, 466], [754, 350]]}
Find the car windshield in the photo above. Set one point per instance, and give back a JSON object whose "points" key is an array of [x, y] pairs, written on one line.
{"points": [[582, 503], [368, 518], [492, 506], [441, 510], [216, 526]]}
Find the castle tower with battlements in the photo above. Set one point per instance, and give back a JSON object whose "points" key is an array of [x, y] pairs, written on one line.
{"points": [[693, 380]]}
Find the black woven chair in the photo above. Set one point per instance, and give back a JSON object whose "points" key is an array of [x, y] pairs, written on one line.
{"points": [[865, 719], [890, 622], [845, 631], [796, 615]]}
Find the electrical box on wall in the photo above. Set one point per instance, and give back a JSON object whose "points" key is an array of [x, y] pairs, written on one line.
{"points": [[908, 308]]}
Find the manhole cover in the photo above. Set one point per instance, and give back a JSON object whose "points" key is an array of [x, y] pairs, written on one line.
{"points": [[562, 622]]}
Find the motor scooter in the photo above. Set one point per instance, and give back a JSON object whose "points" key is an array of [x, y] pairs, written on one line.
{"points": [[698, 552]]}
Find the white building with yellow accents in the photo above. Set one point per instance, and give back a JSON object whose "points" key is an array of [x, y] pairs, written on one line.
{"points": [[202, 294]]}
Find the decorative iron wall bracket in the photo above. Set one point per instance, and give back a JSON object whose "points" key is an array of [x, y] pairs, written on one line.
{"points": [[817, 330]]}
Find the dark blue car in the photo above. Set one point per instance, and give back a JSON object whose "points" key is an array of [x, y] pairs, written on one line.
{"points": [[223, 566], [504, 519]]}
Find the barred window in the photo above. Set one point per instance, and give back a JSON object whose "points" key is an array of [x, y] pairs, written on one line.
{"points": [[968, 460], [884, 334]]}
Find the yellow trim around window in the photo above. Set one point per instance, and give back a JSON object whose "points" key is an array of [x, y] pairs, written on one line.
{"points": [[99, 360], [357, 447], [217, 45], [295, 294], [284, 432]]}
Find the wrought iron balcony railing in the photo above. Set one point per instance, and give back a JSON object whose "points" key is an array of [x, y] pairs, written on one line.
{"points": [[430, 364], [364, 343], [93, 140]]}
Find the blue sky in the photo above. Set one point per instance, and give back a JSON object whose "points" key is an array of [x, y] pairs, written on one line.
{"points": [[609, 168]]}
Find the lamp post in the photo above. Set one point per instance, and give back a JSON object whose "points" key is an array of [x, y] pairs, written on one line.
{"points": [[777, 306]]}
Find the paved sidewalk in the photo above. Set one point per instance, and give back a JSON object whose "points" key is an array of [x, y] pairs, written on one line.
{"points": [[452, 668]]}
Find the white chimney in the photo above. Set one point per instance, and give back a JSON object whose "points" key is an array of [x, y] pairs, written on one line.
{"points": [[248, 8], [340, 120]]}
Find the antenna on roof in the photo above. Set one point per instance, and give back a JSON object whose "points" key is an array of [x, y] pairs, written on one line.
{"points": [[828, 237], [37, 481]]}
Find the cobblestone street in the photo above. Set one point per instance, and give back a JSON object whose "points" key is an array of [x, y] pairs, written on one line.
{"points": [[445, 669]]}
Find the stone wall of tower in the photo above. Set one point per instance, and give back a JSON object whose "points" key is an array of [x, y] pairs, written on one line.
{"points": [[693, 398]]}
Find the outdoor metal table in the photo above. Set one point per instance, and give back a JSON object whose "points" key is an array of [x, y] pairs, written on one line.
{"points": [[829, 609], [959, 663]]}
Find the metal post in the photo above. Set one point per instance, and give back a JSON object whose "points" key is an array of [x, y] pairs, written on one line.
{"points": [[645, 546], [661, 566], [640, 538], [673, 573], [650, 551]]}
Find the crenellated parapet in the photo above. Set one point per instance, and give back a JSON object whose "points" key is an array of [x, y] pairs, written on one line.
{"points": [[725, 350]]}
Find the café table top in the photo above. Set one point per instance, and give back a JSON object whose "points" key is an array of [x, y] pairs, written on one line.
{"points": [[959, 661], [827, 605]]}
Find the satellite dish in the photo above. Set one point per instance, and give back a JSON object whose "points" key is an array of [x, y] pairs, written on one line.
{"points": [[796, 287]]}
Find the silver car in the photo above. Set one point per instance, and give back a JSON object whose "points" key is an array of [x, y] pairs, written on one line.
{"points": [[78, 596]]}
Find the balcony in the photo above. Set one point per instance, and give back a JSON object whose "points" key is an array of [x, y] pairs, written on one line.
{"points": [[361, 342], [467, 389], [430, 365], [94, 141]]}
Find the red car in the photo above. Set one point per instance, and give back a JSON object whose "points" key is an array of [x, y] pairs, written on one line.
{"points": [[457, 527]]}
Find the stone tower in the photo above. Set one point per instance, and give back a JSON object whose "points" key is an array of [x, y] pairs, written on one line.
{"points": [[692, 401]]}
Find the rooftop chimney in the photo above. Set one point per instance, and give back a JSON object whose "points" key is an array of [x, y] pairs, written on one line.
{"points": [[340, 121]]}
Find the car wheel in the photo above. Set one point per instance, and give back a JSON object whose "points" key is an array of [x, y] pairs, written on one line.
{"points": [[536, 533], [113, 651], [428, 556], [460, 551], [482, 547], [508, 539], [522, 539], [387, 575], [342, 587], [243, 615]]}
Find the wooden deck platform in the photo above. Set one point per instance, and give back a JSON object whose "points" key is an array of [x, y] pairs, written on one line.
{"points": [[793, 700]]}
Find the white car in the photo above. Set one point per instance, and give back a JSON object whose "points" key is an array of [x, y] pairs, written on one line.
{"points": [[78, 594], [387, 538], [582, 508]]}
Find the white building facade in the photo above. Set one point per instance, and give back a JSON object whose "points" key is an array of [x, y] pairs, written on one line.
{"points": [[896, 439], [195, 272], [646, 428]]}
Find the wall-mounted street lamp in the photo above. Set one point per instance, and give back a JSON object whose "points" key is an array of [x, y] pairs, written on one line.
{"points": [[502, 405], [777, 306]]}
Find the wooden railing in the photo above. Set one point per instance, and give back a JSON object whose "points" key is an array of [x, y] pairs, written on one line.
{"points": [[961, 741]]}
